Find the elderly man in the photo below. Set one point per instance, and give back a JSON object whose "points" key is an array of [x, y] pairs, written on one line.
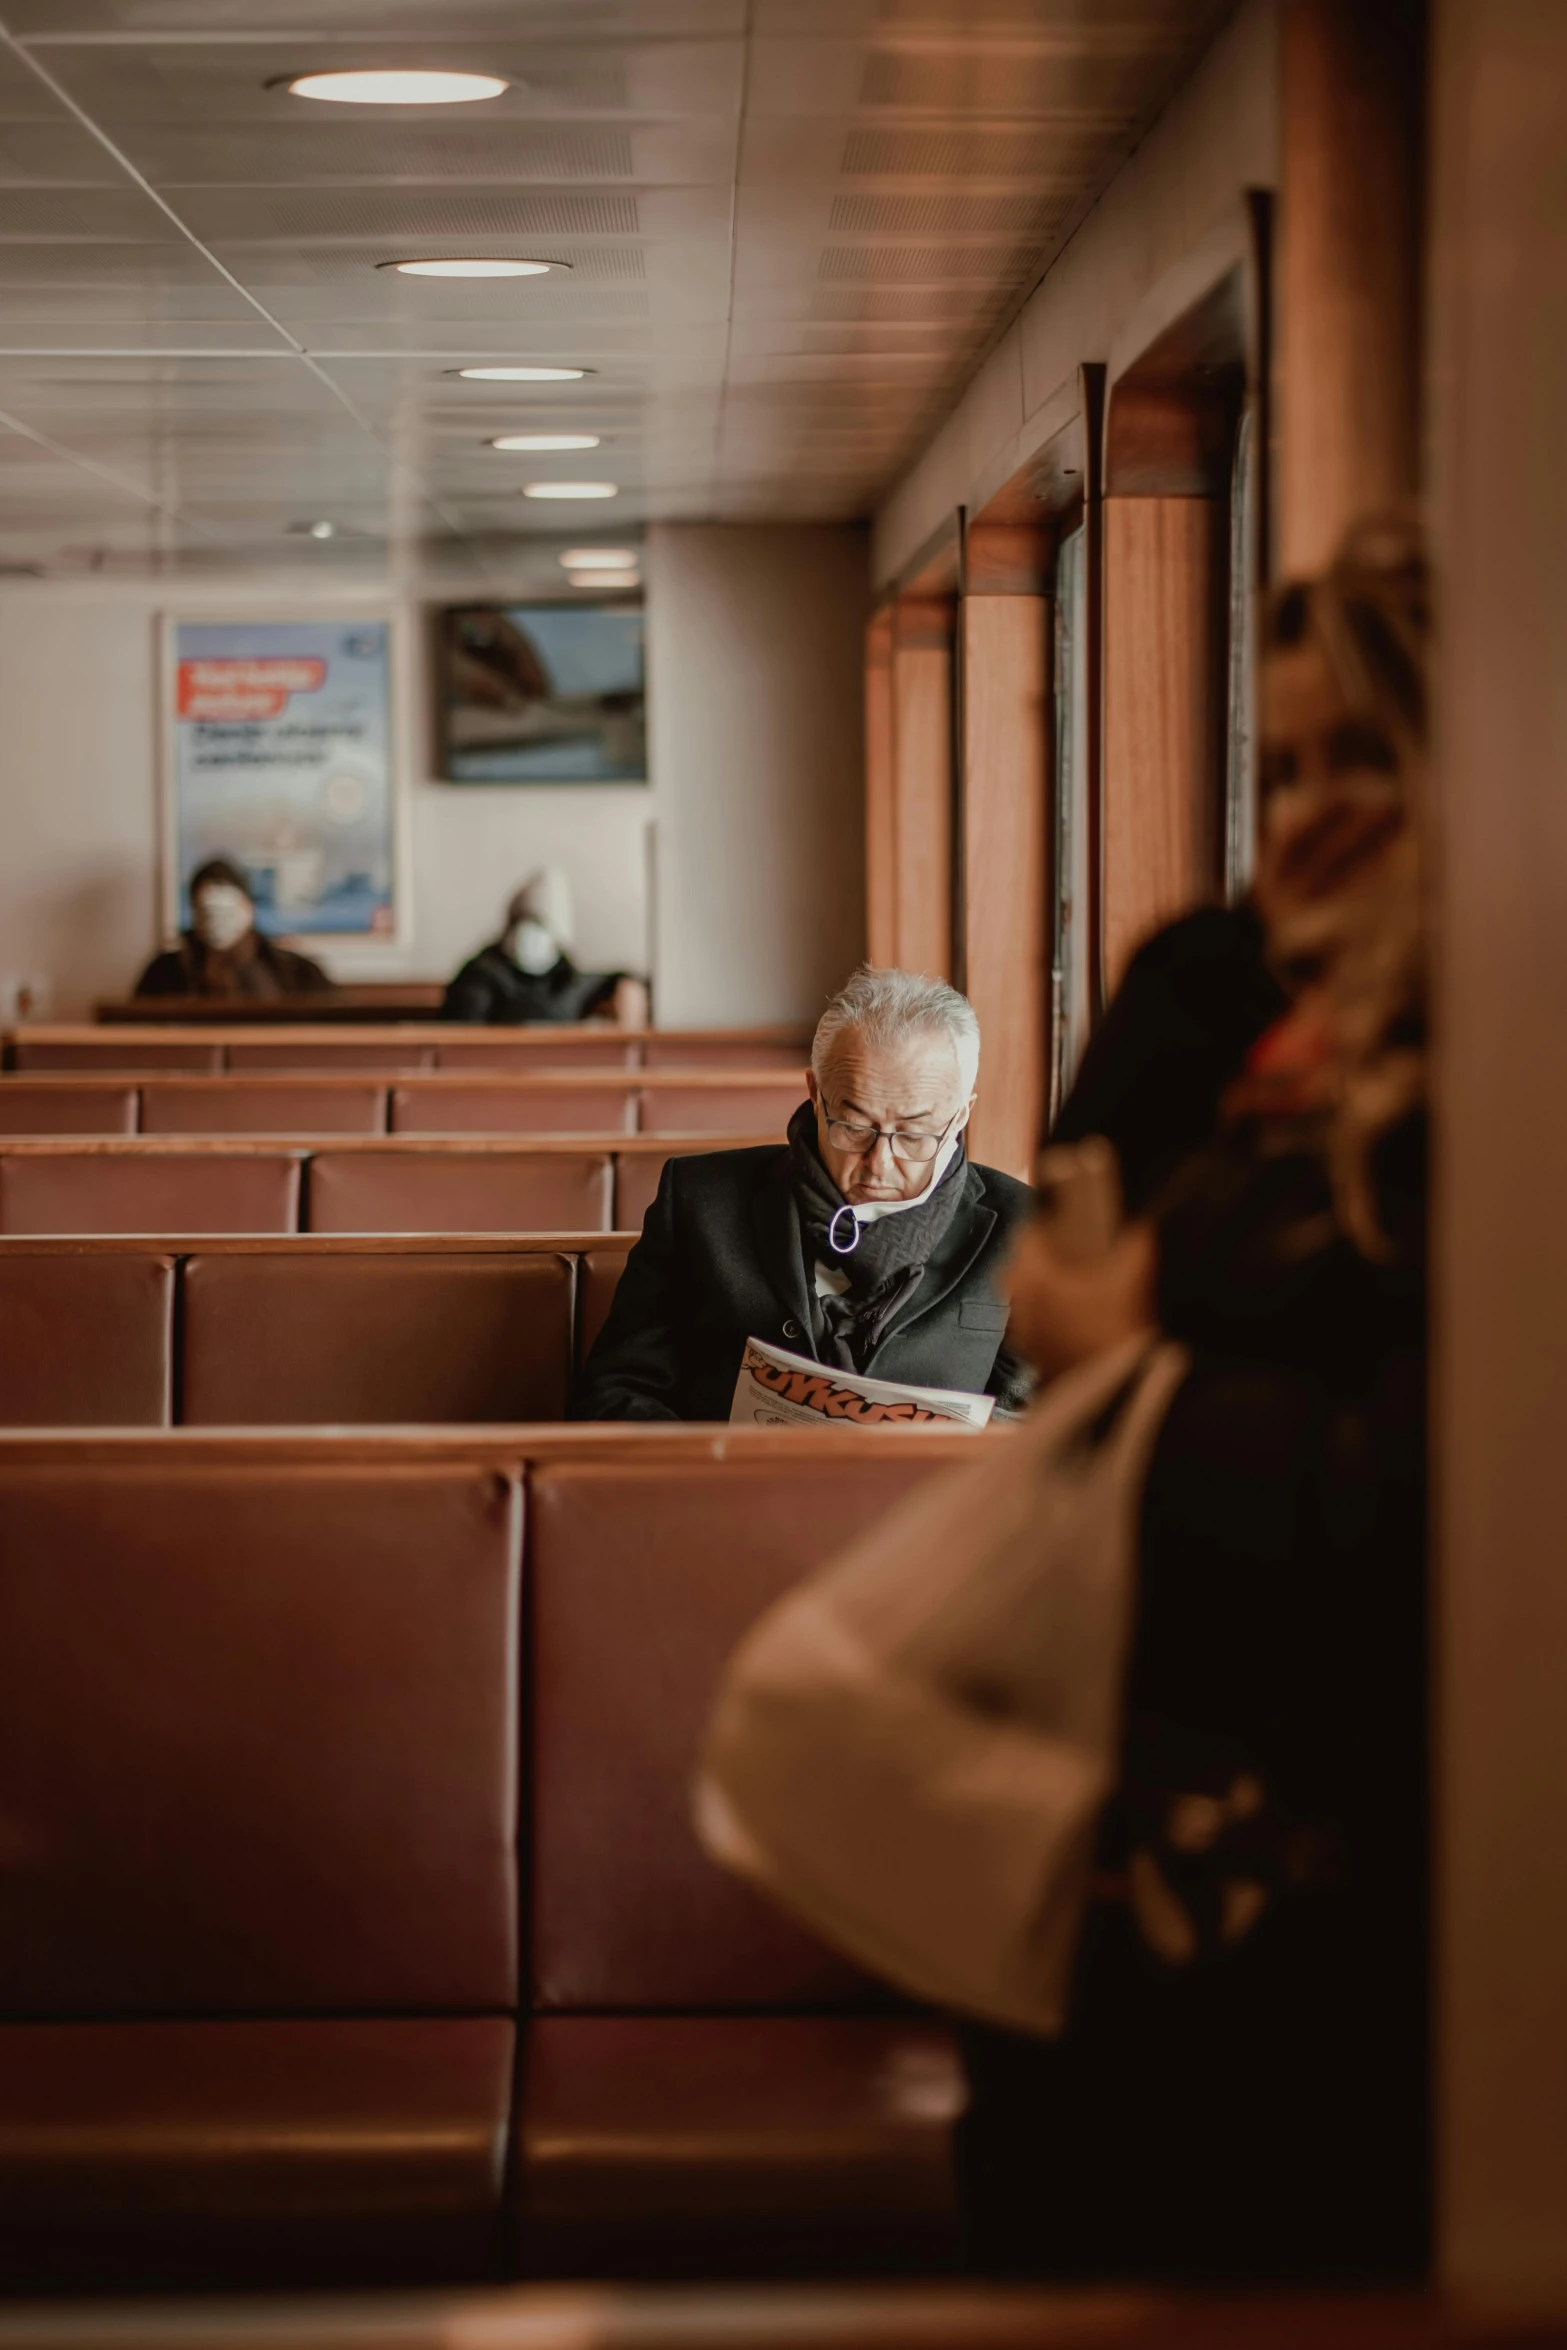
{"points": [[870, 1241]]}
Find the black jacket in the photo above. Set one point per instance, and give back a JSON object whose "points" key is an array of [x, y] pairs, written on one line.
{"points": [[490, 989], [721, 1260], [270, 970]]}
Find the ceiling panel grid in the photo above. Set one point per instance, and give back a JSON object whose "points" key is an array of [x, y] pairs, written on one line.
{"points": [[785, 233]]}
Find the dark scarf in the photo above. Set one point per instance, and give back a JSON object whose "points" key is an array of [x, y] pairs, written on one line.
{"points": [[885, 1263]]}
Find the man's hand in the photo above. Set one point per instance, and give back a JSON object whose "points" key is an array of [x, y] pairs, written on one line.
{"points": [[1061, 1314]]}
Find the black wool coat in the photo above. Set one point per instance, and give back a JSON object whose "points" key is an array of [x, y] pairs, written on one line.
{"points": [[721, 1259]]}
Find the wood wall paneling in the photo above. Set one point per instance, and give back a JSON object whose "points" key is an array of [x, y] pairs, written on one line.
{"points": [[922, 689], [881, 835], [1349, 269], [1163, 745], [1005, 642]]}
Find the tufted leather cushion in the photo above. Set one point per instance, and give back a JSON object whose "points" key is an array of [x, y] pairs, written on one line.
{"points": [[376, 1338], [628, 1912], [258, 1735], [131, 1191], [348, 2149], [456, 1191], [88, 1341]]}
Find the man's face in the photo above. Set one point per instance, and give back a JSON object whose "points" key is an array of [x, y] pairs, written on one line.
{"points": [[912, 1088]]}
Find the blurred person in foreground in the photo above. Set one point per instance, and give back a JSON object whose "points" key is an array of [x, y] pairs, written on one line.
{"points": [[869, 1241], [528, 974], [223, 953], [1241, 2087]]}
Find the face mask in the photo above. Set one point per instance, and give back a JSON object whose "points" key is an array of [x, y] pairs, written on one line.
{"points": [[533, 948], [223, 914]]}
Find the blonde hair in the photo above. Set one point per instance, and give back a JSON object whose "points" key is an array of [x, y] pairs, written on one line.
{"points": [[1369, 617]]}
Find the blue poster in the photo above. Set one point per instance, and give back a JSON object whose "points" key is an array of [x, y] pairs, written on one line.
{"points": [[282, 761]]}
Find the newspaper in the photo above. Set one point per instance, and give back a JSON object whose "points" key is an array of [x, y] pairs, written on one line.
{"points": [[776, 1389]]}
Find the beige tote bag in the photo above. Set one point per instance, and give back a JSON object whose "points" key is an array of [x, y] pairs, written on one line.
{"points": [[911, 1750]]}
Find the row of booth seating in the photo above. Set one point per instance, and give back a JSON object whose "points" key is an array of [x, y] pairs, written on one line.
{"points": [[354, 1927], [432, 1102], [370, 1184], [128, 1333], [411, 1046]]}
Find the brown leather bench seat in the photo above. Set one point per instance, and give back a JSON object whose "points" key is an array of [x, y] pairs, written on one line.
{"points": [[705, 2086], [258, 1735], [296, 1331], [271, 1727]]}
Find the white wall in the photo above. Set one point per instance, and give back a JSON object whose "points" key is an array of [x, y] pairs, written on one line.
{"points": [[755, 706], [759, 623], [1218, 137]]}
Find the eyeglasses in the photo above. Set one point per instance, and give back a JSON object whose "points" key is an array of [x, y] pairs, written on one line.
{"points": [[914, 1149]]}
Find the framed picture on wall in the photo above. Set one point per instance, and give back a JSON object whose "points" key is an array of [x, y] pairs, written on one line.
{"points": [[543, 693], [279, 753]]}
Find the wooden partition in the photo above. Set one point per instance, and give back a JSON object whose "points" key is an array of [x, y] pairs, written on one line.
{"points": [[881, 810], [1184, 547], [1006, 854], [1163, 715], [922, 688]]}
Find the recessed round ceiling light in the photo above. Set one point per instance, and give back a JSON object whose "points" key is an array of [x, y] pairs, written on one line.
{"points": [[571, 489], [599, 558], [313, 530], [398, 88], [546, 440], [473, 266], [608, 579], [523, 375]]}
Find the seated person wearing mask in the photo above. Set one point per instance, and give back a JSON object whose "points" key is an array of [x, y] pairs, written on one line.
{"points": [[527, 974], [223, 953], [870, 1241]]}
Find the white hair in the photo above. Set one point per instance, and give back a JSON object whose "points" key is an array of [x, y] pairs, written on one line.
{"points": [[889, 1006]]}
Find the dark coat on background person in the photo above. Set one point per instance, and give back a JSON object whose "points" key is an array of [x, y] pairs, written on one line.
{"points": [[492, 990], [260, 969], [1194, 1000], [722, 1259]]}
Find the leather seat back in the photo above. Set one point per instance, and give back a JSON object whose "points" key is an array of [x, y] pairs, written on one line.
{"points": [[722, 1109], [310, 1052], [359, 1339], [132, 1191], [126, 1053], [641, 1582], [719, 1052], [458, 1191], [258, 1740], [514, 1109], [506, 1049], [62, 1108], [217, 1106], [88, 1342], [598, 1278]]}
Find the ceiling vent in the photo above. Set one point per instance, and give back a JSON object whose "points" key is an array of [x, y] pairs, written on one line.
{"points": [[1020, 216], [1047, 155], [931, 305], [403, 213], [929, 264]]}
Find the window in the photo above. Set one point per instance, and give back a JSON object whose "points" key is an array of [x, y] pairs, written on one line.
{"points": [[1070, 992], [1240, 779]]}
